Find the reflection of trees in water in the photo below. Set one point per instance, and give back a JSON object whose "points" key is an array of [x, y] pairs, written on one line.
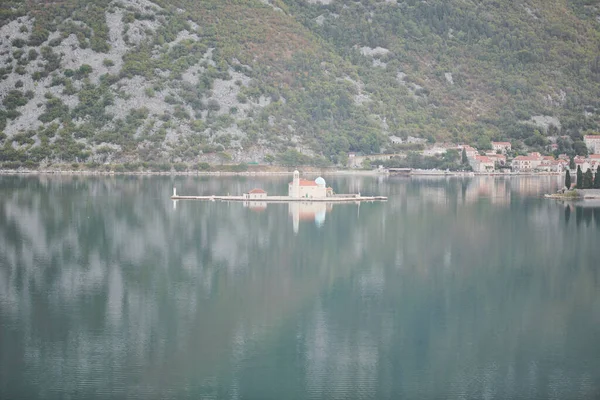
{"points": [[102, 276], [586, 211]]}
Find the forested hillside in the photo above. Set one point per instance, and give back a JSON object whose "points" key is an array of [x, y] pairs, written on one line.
{"points": [[289, 81]]}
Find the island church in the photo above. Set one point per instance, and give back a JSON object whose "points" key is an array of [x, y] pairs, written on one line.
{"points": [[302, 188]]}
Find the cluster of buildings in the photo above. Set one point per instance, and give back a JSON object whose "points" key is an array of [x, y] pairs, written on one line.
{"points": [[537, 162], [532, 162], [497, 157], [490, 160], [592, 161]]}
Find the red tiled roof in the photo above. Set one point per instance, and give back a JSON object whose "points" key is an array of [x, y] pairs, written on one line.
{"points": [[304, 182], [592, 137], [526, 158], [483, 158], [595, 156], [501, 143], [255, 191]]}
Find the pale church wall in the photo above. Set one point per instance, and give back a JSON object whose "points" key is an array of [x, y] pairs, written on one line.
{"points": [[312, 191]]}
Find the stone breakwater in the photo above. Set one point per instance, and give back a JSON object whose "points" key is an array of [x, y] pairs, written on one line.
{"points": [[283, 199], [576, 194]]}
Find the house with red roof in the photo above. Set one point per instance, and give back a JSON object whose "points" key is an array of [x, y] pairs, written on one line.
{"points": [[592, 161], [482, 164], [255, 194], [503, 147], [470, 151], [527, 163], [498, 159], [551, 165]]}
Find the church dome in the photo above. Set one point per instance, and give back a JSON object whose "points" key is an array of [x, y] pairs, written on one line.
{"points": [[320, 182]]}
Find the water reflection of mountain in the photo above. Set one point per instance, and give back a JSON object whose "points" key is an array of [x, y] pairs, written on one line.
{"points": [[106, 291]]}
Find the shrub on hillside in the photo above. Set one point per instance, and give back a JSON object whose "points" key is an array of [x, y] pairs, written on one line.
{"points": [[14, 99], [18, 43]]}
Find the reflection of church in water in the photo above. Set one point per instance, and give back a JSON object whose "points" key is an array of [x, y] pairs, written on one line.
{"points": [[299, 211], [309, 211]]}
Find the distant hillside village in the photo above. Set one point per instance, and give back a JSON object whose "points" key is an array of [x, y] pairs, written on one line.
{"points": [[497, 159]]}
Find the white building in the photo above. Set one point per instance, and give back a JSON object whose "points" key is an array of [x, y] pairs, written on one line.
{"points": [[593, 162], [435, 151], [551, 166], [255, 194], [593, 143], [502, 146], [526, 163], [302, 188]]}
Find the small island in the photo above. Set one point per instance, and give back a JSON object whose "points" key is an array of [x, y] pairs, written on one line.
{"points": [[298, 190], [587, 186]]}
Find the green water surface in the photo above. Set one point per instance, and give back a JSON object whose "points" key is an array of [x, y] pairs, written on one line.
{"points": [[455, 288]]}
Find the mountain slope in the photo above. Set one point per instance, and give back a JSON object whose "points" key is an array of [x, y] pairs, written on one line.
{"points": [[233, 81]]}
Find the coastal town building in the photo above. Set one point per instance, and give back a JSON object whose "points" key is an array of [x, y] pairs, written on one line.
{"points": [[482, 164], [503, 147], [498, 159], [552, 165], [256, 194], [592, 161], [552, 147], [526, 163], [593, 143], [471, 151], [302, 188]]}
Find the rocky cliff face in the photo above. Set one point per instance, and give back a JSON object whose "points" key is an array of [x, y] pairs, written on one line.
{"points": [[221, 81]]}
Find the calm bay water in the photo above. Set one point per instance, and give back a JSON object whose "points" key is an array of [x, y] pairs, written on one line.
{"points": [[455, 288]]}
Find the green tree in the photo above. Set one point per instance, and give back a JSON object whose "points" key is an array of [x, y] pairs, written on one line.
{"points": [[568, 180], [450, 155], [588, 179], [579, 178], [571, 163], [580, 148], [597, 179], [269, 158], [465, 160]]}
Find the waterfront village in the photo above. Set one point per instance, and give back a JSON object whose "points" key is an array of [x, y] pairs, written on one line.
{"points": [[496, 160]]}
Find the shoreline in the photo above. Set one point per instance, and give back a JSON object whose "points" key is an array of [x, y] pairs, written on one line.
{"points": [[575, 195], [308, 171]]}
